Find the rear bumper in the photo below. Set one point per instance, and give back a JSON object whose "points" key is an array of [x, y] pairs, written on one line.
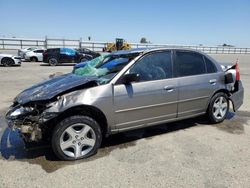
{"points": [[237, 97], [27, 58], [21, 54]]}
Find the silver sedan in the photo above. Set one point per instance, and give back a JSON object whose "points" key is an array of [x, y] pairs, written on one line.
{"points": [[122, 91]]}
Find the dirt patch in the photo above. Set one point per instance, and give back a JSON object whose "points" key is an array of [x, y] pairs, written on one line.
{"points": [[235, 122], [244, 114], [55, 75]]}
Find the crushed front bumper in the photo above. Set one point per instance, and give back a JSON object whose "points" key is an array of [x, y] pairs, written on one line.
{"points": [[11, 124], [28, 131], [30, 126]]}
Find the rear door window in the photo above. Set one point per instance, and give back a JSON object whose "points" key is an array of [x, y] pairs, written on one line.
{"points": [[190, 63], [39, 51], [68, 51]]}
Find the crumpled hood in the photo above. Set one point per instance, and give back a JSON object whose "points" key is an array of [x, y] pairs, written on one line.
{"points": [[53, 87]]}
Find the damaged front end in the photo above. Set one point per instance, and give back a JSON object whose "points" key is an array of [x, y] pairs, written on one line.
{"points": [[28, 112], [29, 120], [25, 119]]}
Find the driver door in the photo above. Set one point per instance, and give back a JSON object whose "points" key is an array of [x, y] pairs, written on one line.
{"points": [[153, 99]]}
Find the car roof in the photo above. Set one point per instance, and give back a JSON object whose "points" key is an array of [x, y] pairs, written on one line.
{"points": [[145, 50], [131, 51], [53, 48], [37, 49]]}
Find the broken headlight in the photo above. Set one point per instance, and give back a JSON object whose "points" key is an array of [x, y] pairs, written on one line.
{"points": [[21, 111]]}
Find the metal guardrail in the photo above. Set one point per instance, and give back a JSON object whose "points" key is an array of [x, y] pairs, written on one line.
{"points": [[18, 43]]}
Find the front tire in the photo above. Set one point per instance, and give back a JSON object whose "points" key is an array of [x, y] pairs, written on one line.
{"points": [[218, 108], [7, 62], [53, 61], [76, 137]]}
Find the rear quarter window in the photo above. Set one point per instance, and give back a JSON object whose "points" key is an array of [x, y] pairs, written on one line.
{"points": [[39, 51], [211, 68]]}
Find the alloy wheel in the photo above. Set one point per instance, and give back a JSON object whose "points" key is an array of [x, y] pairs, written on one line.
{"points": [[220, 107], [53, 61], [77, 140]]}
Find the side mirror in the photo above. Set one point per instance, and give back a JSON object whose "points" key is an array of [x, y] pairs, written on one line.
{"points": [[128, 78], [229, 78]]}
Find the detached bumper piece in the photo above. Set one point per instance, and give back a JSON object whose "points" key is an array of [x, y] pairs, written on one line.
{"points": [[28, 126], [29, 131]]}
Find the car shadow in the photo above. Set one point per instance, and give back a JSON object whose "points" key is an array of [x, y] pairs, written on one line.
{"points": [[13, 148], [10, 66], [59, 65]]}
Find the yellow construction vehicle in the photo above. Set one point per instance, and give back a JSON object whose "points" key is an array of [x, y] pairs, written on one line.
{"points": [[120, 44]]}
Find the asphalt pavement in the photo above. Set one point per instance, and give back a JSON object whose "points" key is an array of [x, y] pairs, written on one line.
{"points": [[189, 153]]}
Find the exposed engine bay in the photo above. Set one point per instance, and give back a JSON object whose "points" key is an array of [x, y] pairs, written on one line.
{"points": [[30, 118]]}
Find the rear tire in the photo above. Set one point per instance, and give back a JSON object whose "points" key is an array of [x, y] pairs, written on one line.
{"points": [[218, 108], [76, 137], [33, 59]]}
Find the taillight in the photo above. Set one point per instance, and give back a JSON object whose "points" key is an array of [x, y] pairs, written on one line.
{"points": [[237, 71]]}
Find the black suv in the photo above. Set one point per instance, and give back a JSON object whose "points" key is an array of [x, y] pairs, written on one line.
{"points": [[55, 56]]}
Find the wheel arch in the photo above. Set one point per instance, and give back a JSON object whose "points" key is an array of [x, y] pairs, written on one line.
{"points": [[220, 91], [34, 58], [7, 58], [86, 110], [53, 56], [57, 58]]}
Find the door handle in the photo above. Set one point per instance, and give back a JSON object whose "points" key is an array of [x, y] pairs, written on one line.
{"points": [[213, 81], [169, 88]]}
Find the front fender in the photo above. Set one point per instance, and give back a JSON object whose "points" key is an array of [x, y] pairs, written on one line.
{"points": [[99, 97]]}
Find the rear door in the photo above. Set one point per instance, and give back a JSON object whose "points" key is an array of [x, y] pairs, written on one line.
{"points": [[153, 99], [196, 83]]}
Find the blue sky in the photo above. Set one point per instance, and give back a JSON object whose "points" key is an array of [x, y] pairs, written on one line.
{"points": [[205, 22]]}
